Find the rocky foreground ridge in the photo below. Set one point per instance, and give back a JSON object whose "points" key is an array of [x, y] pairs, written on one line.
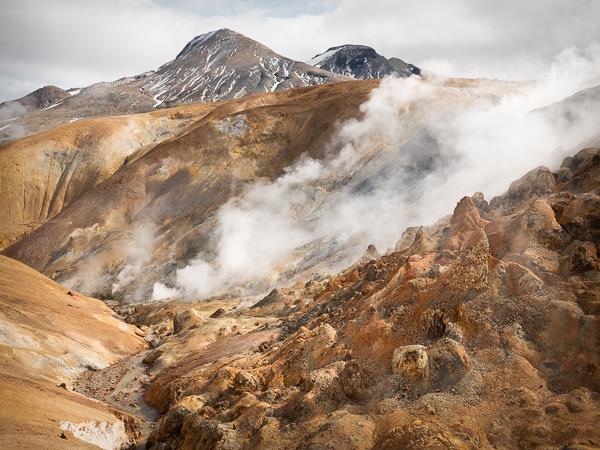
{"points": [[480, 331]]}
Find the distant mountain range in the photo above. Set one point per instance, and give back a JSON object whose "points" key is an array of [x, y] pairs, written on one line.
{"points": [[215, 66]]}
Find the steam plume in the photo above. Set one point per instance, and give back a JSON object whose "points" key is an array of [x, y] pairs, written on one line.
{"points": [[390, 173]]}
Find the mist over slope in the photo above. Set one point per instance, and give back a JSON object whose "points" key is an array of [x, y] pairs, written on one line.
{"points": [[479, 331], [175, 185], [274, 188], [391, 174]]}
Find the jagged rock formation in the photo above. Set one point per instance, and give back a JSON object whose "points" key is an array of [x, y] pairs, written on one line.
{"points": [[486, 338], [49, 335], [361, 62]]}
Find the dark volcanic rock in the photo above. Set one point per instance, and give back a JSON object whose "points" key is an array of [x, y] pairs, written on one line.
{"points": [[362, 62]]}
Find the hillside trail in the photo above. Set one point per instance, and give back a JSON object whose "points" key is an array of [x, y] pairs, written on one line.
{"points": [[122, 385]]}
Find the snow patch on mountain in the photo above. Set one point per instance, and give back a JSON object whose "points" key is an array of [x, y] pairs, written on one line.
{"points": [[318, 59], [225, 64], [198, 40]]}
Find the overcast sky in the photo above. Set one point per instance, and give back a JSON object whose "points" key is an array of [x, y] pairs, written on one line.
{"points": [[74, 43]]}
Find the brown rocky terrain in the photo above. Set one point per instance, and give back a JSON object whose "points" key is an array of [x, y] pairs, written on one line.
{"points": [[480, 331], [272, 134]]}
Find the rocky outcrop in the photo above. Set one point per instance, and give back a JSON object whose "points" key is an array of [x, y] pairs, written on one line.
{"points": [[187, 319], [537, 183], [465, 221], [485, 337], [411, 362]]}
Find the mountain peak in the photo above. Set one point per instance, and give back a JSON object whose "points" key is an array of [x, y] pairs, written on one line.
{"points": [[362, 62], [223, 34], [38, 99]]}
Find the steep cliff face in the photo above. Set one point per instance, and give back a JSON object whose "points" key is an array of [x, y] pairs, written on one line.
{"points": [[480, 331]]}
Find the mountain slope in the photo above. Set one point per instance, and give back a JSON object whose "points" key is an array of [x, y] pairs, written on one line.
{"points": [[480, 331], [157, 213], [42, 174], [43, 320], [361, 62], [180, 184], [49, 335]]}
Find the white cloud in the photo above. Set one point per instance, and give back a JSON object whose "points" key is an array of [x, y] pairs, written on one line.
{"points": [[77, 43]]}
